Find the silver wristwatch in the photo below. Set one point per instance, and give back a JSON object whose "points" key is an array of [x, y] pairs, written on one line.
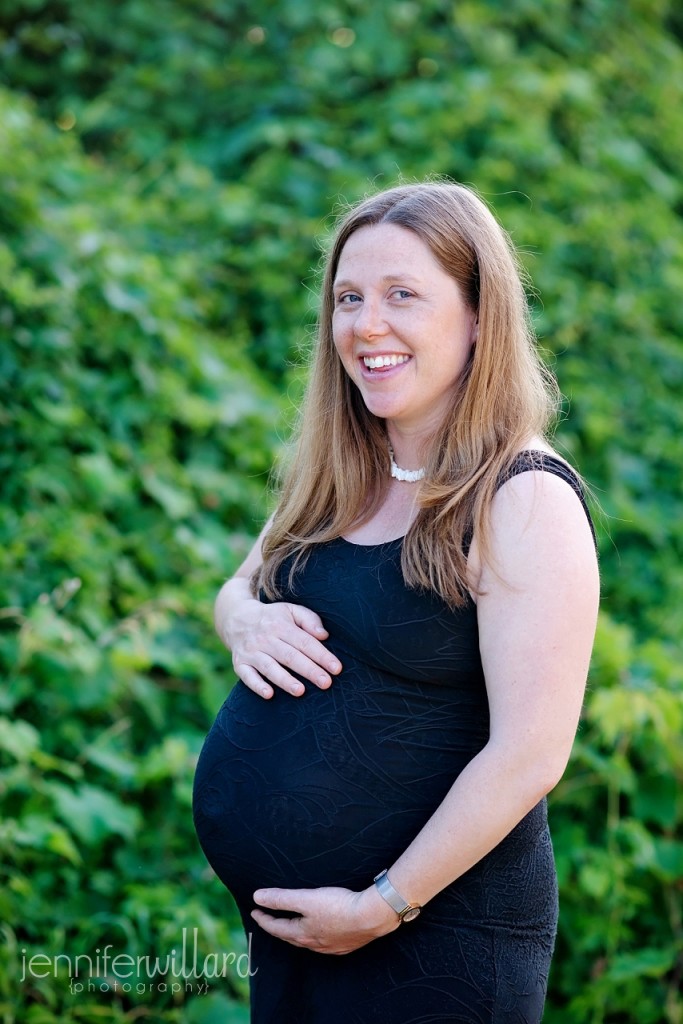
{"points": [[405, 911]]}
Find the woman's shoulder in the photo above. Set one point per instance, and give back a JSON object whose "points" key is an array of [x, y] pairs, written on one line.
{"points": [[541, 461], [539, 457], [539, 506], [534, 486]]}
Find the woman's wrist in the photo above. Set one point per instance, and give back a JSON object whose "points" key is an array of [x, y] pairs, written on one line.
{"points": [[231, 596], [376, 914]]}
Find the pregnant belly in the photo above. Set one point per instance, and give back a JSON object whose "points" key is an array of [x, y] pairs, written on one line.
{"points": [[328, 788]]}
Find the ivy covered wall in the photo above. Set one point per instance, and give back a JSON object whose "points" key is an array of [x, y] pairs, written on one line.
{"points": [[168, 170]]}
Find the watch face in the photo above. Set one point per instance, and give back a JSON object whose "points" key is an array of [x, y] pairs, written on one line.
{"points": [[411, 914]]}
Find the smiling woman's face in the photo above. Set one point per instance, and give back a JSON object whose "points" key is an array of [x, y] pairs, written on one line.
{"points": [[401, 326]]}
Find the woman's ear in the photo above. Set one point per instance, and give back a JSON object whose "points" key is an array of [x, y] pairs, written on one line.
{"points": [[475, 331]]}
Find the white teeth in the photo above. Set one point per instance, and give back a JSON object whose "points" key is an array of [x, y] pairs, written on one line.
{"points": [[374, 362]]}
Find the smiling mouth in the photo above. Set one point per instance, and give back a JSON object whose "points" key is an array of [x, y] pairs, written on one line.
{"points": [[383, 362]]}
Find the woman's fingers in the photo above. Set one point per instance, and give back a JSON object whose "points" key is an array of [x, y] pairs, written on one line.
{"points": [[253, 681], [277, 668], [279, 647], [308, 620], [264, 672], [305, 655]]}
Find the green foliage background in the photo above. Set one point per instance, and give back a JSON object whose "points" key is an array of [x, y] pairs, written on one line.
{"points": [[166, 167]]}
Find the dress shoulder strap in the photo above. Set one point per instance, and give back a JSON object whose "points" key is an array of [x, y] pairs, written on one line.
{"points": [[534, 460]]}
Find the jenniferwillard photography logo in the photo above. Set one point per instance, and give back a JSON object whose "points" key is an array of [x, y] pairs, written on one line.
{"points": [[105, 970]]}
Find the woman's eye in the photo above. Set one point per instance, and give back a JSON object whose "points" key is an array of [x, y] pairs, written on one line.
{"points": [[402, 293], [348, 298]]}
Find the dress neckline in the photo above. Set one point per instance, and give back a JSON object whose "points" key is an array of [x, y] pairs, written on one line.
{"points": [[379, 544]]}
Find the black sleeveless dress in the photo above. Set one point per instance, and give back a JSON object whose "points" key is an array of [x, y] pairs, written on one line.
{"points": [[331, 787]]}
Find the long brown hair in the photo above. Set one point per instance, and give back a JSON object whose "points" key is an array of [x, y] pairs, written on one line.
{"points": [[339, 470]]}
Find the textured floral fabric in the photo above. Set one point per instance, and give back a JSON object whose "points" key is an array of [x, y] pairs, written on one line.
{"points": [[329, 789]]}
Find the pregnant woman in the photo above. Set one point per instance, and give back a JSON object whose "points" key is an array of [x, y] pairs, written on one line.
{"points": [[412, 632]]}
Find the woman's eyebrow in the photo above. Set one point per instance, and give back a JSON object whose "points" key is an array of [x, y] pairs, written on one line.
{"points": [[386, 279]]}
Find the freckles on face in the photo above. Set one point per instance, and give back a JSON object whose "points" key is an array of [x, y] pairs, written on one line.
{"points": [[400, 325]]}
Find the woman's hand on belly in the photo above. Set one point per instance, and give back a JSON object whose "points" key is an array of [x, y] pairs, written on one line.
{"points": [[331, 919], [269, 642]]}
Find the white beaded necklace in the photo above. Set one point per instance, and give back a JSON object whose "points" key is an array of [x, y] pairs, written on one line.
{"points": [[408, 476]]}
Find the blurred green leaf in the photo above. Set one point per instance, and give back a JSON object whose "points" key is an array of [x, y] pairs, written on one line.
{"points": [[165, 176]]}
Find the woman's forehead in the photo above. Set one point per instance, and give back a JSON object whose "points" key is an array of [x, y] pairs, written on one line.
{"points": [[390, 250]]}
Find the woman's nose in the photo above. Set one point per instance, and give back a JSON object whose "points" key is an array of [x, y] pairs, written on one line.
{"points": [[370, 321]]}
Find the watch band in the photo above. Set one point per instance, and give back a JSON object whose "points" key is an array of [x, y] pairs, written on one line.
{"points": [[406, 911]]}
